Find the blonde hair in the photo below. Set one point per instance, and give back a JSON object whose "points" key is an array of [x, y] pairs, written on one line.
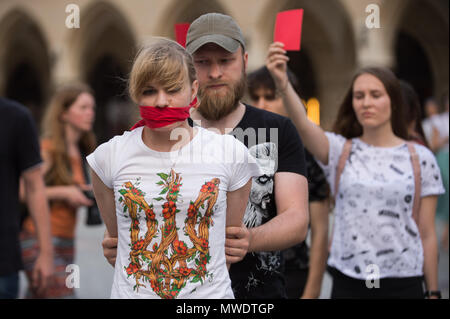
{"points": [[165, 63], [59, 172]]}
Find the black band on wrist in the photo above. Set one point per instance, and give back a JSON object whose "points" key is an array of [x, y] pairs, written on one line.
{"points": [[433, 293]]}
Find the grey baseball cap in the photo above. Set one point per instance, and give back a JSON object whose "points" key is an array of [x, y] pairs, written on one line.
{"points": [[216, 28]]}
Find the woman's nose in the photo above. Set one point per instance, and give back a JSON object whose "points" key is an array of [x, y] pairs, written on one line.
{"points": [[367, 101], [162, 100], [91, 112]]}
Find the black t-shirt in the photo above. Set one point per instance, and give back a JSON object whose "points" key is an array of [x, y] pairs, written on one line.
{"points": [[273, 140], [19, 151]]}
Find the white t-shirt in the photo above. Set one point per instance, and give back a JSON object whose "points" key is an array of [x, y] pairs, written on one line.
{"points": [[440, 122], [171, 224], [373, 222]]}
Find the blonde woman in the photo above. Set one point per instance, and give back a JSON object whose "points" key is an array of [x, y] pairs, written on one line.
{"points": [[67, 138], [167, 190]]}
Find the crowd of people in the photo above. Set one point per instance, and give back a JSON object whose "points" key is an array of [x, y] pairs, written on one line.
{"points": [[202, 200]]}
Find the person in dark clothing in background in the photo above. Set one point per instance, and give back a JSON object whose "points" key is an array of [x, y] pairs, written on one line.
{"points": [[304, 266], [20, 158]]}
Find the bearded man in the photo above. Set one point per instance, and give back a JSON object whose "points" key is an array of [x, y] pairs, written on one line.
{"points": [[280, 219]]}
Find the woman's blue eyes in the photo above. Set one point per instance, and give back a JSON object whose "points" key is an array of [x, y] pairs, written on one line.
{"points": [[153, 91]]}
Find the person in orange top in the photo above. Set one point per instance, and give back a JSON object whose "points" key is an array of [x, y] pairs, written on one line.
{"points": [[67, 137]]}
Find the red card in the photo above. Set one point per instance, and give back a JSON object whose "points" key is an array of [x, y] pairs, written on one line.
{"points": [[181, 30], [288, 29]]}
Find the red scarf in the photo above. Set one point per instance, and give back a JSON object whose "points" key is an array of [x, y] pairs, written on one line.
{"points": [[155, 117]]}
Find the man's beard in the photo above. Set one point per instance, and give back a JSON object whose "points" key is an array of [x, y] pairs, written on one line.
{"points": [[216, 105]]}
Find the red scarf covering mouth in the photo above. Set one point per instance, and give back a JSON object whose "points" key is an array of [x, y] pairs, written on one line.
{"points": [[156, 117]]}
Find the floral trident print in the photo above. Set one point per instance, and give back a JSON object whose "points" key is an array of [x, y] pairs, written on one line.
{"points": [[168, 265]]}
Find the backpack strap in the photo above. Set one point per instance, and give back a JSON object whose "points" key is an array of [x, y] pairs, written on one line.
{"points": [[341, 164], [339, 169], [417, 182]]}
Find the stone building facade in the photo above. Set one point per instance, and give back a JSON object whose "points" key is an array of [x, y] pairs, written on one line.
{"points": [[38, 51]]}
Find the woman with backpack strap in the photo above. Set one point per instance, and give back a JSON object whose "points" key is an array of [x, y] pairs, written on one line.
{"points": [[380, 248]]}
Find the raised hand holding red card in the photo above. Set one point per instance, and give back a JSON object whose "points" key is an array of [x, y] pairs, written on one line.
{"points": [[288, 29]]}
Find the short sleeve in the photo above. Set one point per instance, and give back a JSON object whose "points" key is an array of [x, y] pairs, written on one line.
{"points": [[101, 163], [291, 155], [243, 167], [27, 145], [430, 173], [335, 145]]}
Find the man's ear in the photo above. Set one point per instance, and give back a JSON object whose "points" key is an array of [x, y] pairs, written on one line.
{"points": [[194, 89], [245, 57]]}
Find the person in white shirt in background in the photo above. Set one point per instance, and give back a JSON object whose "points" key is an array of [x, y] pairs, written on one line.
{"points": [[435, 125], [439, 145]]}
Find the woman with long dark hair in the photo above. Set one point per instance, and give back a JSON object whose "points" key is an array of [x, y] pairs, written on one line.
{"points": [[67, 137], [385, 188]]}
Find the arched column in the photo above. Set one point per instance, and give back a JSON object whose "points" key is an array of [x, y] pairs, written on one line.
{"points": [[100, 53], [24, 61], [426, 24]]}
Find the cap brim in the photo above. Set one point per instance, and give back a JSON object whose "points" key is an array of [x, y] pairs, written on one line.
{"points": [[225, 42]]}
